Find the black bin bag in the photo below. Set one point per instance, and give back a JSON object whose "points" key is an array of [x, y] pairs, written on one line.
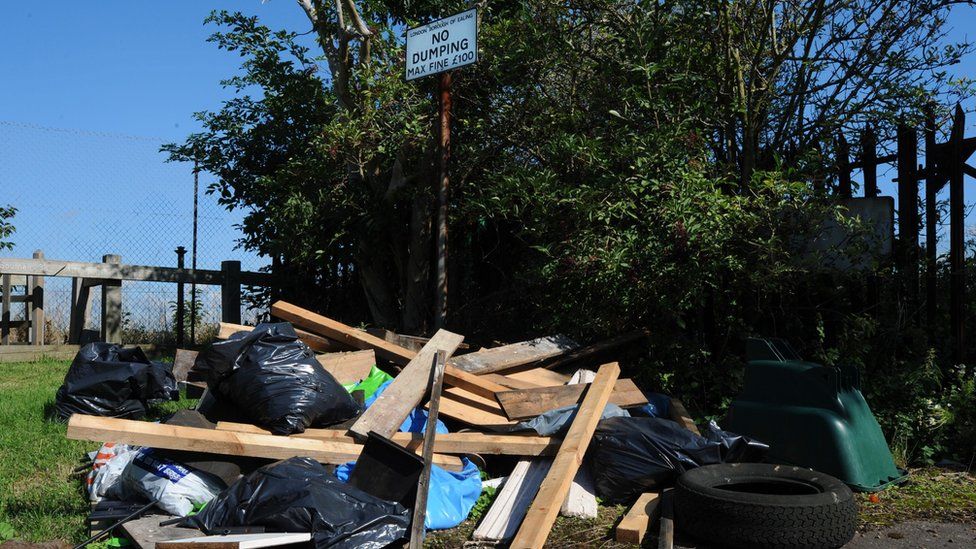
{"points": [[272, 377], [106, 379], [300, 495], [632, 455]]}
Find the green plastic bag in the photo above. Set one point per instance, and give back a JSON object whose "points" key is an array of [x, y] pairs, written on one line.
{"points": [[371, 383]]}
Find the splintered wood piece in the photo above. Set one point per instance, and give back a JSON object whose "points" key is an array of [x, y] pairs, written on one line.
{"points": [[407, 390], [527, 403], [342, 333], [681, 415], [446, 443], [545, 507], [639, 519], [314, 342], [507, 357], [351, 367], [417, 529], [212, 441]]}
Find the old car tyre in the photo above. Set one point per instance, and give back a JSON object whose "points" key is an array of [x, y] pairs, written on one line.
{"points": [[762, 505]]}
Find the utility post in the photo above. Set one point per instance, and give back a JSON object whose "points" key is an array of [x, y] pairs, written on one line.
{"points": [[439, 47], [180, 252]]}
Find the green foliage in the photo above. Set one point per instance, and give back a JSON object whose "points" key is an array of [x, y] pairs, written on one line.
{"points": [[615, 165], [6, 227]]}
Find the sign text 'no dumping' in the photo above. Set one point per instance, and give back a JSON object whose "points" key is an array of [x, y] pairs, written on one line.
{"points": [[443, 45]]}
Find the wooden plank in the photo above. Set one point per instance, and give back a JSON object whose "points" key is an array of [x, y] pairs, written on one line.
{"points": [[593, 351], [473, 409], [680, 414], [314, 342], [510, 382], [449, 443], [106, 271], [389, 351], [545, 507], [503, 518], [478, 385], [212, 441], [417, 529], [639, 519], [342, 333], [237, 541], [351, 367], [406, 391], [446, 443], [540, 377], [146, 532], [528, 403], [507, 357]]}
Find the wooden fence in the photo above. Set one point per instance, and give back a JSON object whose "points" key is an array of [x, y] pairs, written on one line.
{"points": [[108, 274]]}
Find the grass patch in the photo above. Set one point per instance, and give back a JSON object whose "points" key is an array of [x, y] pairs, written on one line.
{"points": [[935, 494], [41, 498]]}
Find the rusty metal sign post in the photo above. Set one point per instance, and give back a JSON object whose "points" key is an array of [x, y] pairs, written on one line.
{"points": [[440, 47]]}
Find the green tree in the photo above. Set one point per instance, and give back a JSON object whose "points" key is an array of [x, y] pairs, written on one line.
{"points": [[6, 227]]}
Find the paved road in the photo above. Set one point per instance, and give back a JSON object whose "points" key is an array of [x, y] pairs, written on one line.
{"points": [[913, 534]]}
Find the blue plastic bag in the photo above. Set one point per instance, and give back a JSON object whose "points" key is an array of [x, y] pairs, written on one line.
{"points": [[452, 494]]}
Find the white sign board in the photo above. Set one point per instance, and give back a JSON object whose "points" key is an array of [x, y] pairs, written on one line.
{"points": [[443, 45]]}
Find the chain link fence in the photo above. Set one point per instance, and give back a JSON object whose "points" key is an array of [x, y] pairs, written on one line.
{"points": [[81, 195]]}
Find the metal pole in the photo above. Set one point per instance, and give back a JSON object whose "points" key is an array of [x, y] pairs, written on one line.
{"points": [[180, 252], [908, 210], [932, 183], [193, 260], [957, 236], [440, 309], [869, 162]]}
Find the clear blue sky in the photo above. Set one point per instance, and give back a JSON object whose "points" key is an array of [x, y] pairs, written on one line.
{"points": [[129, 68]]}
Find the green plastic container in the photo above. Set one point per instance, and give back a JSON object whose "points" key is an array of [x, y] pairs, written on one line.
{"points": [[812, 416]]}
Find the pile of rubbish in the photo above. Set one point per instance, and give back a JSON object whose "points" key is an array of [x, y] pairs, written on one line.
{"points": [[369, 439]]}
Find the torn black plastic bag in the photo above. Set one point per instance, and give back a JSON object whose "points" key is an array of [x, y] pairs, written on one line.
{"points": [[273, 377], [630, 456], [300, 495], [105, 379]]}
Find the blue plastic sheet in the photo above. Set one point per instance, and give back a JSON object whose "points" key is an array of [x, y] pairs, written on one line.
{"points": [[452, 494]]}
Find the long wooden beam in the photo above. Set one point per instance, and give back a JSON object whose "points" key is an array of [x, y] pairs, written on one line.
{"points": [[545, 507], [447, 443], [359, 339], [315, 342], [641, 516], [406, 391], [249, 444], [213, 441], [115, 271], [507, 357]]}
